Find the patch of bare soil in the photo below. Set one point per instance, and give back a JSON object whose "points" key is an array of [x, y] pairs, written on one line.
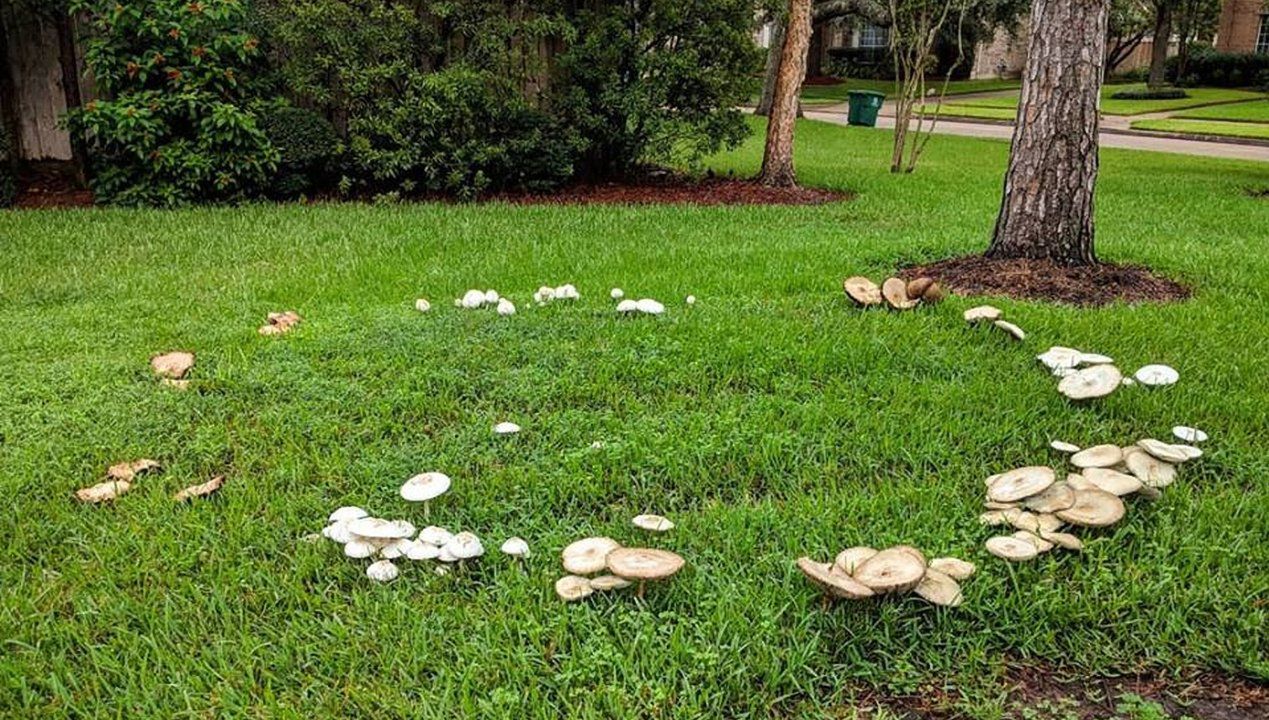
{"points": [[1088, 285], [51, 185], [675, 190], [1044, 693]]}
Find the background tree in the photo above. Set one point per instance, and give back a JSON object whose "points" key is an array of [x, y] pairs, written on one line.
{"points": [[916, 28], [1160, 39], [777, 157], [1128, 24], [1047, 208]]}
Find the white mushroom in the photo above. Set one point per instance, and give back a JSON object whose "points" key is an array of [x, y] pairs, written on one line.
{"points": [[346, 513], [424, 487], [1021, 483], [370, 528], [1168, 452], [648, 306], [1059, 357], [422, 305], [394, 549], [1091, 382], [473, 299], [652, 523], [862, 291], [1064, 447], [939, 589], [587, 556], [1095, 359], [382, 571], [1011, 548], [893, 570], [506, 428], [435, 535], [1149, 469], [609, 582], [491, 297], [954, 568], [982, 313], [627, 306], [359, 548], [422, 551], [1155, 375], [567, 292], [464, 546], [691, 300], [1098, 456], [173, 365], [506, 307], [1093, 508], [616, 293], [338, 531], [1013, 330], [1113, 481], [516, 547], [571, 588], [1189, 434], [834, 583]]}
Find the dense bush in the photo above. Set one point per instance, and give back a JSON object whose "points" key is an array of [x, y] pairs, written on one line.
{"points": [[8, 164], [306, 143], [1208, 67], [1150, 94], [178, 84]]}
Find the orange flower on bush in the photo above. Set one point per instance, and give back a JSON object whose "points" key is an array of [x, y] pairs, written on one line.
{"points": [[198, 51], [251, 43], [159, 59], [173, 74], [194, 8], [174, 33], [133, 69]]}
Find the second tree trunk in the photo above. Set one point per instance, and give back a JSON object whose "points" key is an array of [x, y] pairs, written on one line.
{"points": [[777, 157]]}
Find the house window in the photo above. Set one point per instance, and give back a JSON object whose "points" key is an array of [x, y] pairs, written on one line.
{"points": [[1262, 40], [871, 36]]}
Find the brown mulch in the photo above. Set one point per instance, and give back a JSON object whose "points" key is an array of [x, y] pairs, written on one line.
{"points": [[680, 191], [51, 185], [1089, 285], [1045, 693]]}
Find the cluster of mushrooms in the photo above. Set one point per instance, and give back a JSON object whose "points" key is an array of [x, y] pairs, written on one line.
{"points": [[895, 292], [858, 573], [474, 300], [546, 294], [1092, 375], [122, 477], [614, 567], [1039, 506], [993, 315], [279, 323]]}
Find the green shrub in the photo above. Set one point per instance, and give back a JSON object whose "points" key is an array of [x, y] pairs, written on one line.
{"points": [[1206, 67], [1149, 94], [306, 142], [176, 124], [8, 165]]}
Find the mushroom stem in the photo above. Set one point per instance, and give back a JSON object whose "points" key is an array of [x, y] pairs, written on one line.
{"points": [[639, 592], [426, 509], [824, 602]]}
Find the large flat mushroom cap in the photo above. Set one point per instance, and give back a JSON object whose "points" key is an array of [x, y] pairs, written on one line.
{"points": [[862, 291], [1059, 357], [1149, 469], [1093, 508], [643, 563], [1091, 382], [103, 491], [435, 535], [1021, 483], [1058, 496], [464, 546], [1113, 481], [571, 588], [939, 589], [954, 568], [851, 558], [837, 584], [609, 582], [1098, 456], [588, 555], [648, 306], [982, 313], [1011, 548], [892, 570], [425, 486], [1015, 331], [379, 529], [1156, 375], [895, 291], [173, 365], [1168, 452]]}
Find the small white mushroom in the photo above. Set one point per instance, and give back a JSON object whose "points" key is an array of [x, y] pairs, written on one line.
{"points": [[359, 548], [516, 547], [1091, 382], [982, 313], [506, 428], [422, 305], [491, 297], [571, 588], [1013, 330], [1189, 434], [464, 546], [1059, 357], [567, 292], [382, 571], [348, 512], [1064, 447], [435, 535], [1156, 375], [691, 299], [473, 299], [506, 308], [424, 487], [370, 528], [648, 306], [627, 306], [652, 523], [587, 556], [422, 551], [338, 531], [394, 549], [616, 293]]}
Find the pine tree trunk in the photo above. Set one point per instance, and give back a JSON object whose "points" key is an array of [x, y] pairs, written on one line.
{"points": [[1047, 208], [777, 158], [772, 70], [1159, 46]]}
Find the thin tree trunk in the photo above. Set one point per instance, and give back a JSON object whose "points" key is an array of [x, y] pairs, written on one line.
{"points": [[1047, 208], [1159, 46], [772, 68], [777, 158]]}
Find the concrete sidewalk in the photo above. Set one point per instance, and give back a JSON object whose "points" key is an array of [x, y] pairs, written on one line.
{"points": [[1111, 136]]}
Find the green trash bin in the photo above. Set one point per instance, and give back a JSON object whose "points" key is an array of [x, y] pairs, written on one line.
{"points": [[864, 106]]}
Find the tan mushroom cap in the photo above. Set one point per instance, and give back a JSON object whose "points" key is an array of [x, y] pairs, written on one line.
{"points": [[954, 568], [982, 313], [1015, 331], [1058, 496], [1091, 382], [1023, 520], [993, 517], [1078, 482], [1093, 508], [862, 291], [1149, 469], [939, 589], [200, 490], [836, 584], [911, 551], [1113, 481], [588, 555], [1064, 540], [993, 505], [609, 582], [652, 523], [103, 491], [1048, 522], [572, 587], [851, 558], [1064, 447], [1011, 548], [173, 365], [892, 570], [1021, 483], [1168, 452], [934, 294], [916, 288], [895, 291], [1041, 545], [1098, 456], [643, 563]]}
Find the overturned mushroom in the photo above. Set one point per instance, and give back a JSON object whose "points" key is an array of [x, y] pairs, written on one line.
{"points": [[1091, 382], [1150, 470], [835, 583], [643, 565], [1168, 452], [982, 313], [174, 365], [939, 589], [862, 291], [1064, 447], [1189, 434], [895, 292], [1014, 330], [200, 490], [954, 568]]}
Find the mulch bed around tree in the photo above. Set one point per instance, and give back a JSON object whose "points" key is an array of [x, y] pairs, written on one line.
{"points": [[1044, 693], [676, 190], [50, 185], [1100, 284]]}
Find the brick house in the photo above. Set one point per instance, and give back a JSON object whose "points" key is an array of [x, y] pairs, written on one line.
{"points": [[1244, 26]]}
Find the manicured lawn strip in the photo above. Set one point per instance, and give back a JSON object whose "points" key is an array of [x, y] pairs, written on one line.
{"points": [[974, 111], [1111, 106], [769, 421], [1254, 111], [1206, 127], [833, 94]]}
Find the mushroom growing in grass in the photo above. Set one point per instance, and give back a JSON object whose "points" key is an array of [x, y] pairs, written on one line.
{"points": [[1168, 452], [862, 291], [1189, 434], [435, 535], [1157, 375], [604, 583], [643, 565], [382, 571], [506, 307], [506, 428], [422, 305], [516, 547], [628, 306], [1091, 382], [1064, 447], [1011, 548], [1098, 456], [893, 570], [616, 293], [940, 589], [648, 306], [572, 588], [424, 487], [464, 546], [1020, 483], [895, 292], [982, 313], [588, 555], [1013, 330], [652, 523], [832, 581]]}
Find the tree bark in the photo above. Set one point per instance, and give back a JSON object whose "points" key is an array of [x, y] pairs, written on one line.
{"points": [[1159, 45], [777, 157], [1047, 208], [772, 69]]}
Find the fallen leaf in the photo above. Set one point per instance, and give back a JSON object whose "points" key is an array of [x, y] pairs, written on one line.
{"points": [[174, 365], [202, 490], [103, 491]]}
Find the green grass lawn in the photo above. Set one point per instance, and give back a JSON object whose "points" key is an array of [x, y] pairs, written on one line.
{"points": [[1254, 111], [1006, 107], [1258, 131], [833, 94], [974, 111], [769, 420]]}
